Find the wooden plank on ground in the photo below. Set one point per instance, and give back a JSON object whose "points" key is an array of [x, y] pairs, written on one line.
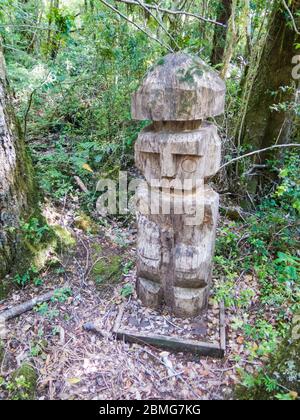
{"points": [[174, 343], [171, 343], [222, 327]]}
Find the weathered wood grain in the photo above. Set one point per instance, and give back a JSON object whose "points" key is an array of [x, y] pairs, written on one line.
{"points": [[171, 343], [180, 87], [177, 212]]}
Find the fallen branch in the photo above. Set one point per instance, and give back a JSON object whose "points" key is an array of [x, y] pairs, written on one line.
{"points": [[170, 11], [27, 306], [81, 185], [276, 146]]}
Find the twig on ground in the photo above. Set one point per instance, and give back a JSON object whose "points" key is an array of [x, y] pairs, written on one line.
{"points": [[174, 372], [86, 270], [27, 306], [81, 184], [171, 323]]}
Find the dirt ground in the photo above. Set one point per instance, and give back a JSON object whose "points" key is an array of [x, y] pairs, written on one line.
{"points": [[73, 363]]}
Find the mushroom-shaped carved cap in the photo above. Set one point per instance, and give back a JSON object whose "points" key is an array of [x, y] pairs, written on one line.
{"points": [[181, 87]]}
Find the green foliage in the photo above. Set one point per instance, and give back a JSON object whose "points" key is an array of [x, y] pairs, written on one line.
{"points": [[189, 76], [107, 270], [22, 384], [128, 267], [34, 231], [288, 267], [288, 192], [81, 81], [44, 310], [127, 290], [263, 333], [267, 247], [28, 276], [62, 295]]}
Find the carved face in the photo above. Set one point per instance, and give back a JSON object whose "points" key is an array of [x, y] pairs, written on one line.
{"points": [[182, 156]]}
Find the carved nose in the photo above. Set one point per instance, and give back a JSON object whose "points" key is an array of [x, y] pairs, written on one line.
{"points": [[167, 163]]}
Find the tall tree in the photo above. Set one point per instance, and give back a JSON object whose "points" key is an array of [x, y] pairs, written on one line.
{"points": [[53, 43], [223, 15], [269, 93], [266, 120], [18, 199]]}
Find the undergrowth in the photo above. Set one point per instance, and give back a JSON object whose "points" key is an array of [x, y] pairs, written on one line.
{"points": [[266, 249]]}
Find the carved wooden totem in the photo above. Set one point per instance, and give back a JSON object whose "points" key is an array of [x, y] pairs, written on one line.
{"points": [[177, 210]]}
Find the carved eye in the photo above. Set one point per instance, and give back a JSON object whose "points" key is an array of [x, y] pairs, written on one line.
{"points": [[189, 165]]}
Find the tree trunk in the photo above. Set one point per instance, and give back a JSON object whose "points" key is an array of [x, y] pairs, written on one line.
{"points": [[266, 113], [17, 189], [219, 42], [263, 126], [53, 42]]}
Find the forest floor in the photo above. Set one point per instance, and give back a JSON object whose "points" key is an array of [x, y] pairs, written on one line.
{"points": [[73, 363]]}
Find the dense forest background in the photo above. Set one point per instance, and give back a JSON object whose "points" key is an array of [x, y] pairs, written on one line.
{"points": [[72, 67]]}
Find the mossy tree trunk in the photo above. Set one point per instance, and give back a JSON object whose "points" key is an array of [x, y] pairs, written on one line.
{"points": [[18, 197], [262, 125], [53, 41], [219, 43]]}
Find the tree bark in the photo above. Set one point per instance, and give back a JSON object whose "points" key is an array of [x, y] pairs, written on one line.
{"points": [[267, 113], [219, 42], [263, 126], [53, 43], [17, 188]]}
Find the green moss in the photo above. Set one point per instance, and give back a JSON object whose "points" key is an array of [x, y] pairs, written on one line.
{"points": [[108, 269], [97, 248], [23, 383], [65, 238], [37, 254], [85, 223], [41, 253]]}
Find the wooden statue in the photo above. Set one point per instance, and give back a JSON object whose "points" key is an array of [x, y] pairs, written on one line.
{"points": [[177, 210]]}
